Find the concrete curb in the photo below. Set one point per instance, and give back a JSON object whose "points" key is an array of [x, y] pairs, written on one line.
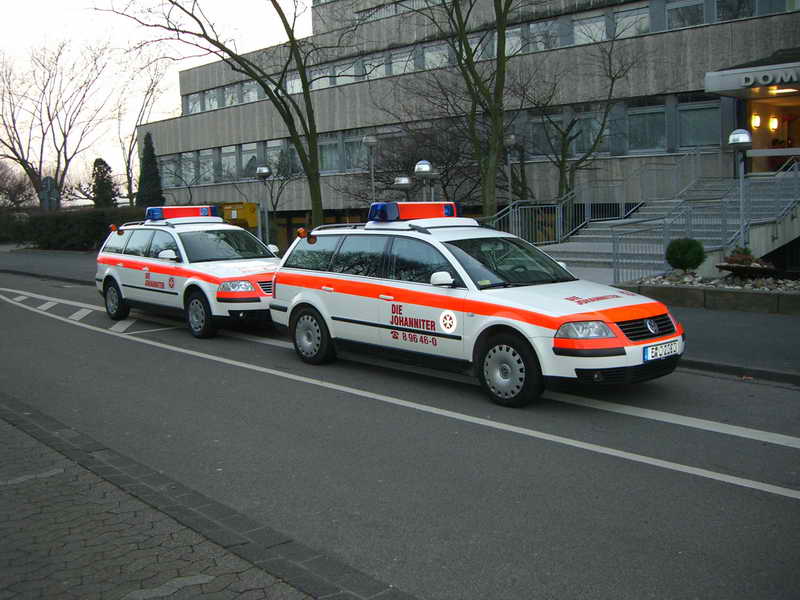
{"points": [[741, 371], [53, 277], [719, 299]]}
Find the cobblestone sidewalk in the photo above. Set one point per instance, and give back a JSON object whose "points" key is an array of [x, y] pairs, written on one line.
{"points": [[67, 533]]}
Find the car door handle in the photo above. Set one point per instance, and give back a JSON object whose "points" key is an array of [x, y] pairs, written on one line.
{"points": [[145, 269], [120, 265], [385, 297], [326, 288]]}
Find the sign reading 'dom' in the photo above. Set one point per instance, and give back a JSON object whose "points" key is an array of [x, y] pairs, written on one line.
{"points": [[771, 77]]}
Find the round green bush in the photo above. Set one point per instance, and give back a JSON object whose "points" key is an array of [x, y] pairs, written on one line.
{"points": [[686, 254]]}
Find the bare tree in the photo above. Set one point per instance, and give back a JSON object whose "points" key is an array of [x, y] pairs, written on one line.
{"points": [[133, 108], [15, 188], [285, 73], [571, 139], [51, 109]]}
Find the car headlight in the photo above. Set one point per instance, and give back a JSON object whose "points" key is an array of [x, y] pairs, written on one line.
{"points": [[236, 286], [584, 329]]}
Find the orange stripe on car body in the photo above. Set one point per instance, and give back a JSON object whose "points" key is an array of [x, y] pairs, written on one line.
{"points": [[489, 309]]}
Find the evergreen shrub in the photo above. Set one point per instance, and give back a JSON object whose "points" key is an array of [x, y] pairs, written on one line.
{"points": [[685, 253]]}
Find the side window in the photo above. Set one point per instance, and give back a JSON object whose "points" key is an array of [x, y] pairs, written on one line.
{"points": [[413, 260], [139, 242], [162, 241], [360, 255], [313, 252], [116, 241]]}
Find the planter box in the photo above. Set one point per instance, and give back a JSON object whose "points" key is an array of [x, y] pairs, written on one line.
{"points": [[719, 299]]}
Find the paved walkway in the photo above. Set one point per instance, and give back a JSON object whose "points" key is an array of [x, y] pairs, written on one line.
{"points": [[67, 533]]}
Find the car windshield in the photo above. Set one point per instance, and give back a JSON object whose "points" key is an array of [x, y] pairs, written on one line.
{"points": [[506, 262], [222, 244]]}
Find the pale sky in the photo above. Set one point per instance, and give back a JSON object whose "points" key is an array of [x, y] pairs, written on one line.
{"points": [[28, 24]]}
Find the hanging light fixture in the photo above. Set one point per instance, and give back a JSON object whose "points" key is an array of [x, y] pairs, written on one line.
{"points": [[773, 124], [755, 120]]}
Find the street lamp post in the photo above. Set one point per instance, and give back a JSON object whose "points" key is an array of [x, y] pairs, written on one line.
{"points": [[741, 141], [263, 174], [370, 141], [424, 170], [510, 142], [403, 183]]}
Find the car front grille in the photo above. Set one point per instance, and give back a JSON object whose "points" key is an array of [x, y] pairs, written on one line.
{"points": [[266, 286], [637, 329]]}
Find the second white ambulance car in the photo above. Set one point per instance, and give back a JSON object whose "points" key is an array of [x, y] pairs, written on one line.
{"points": [[188, 259], [418, 281]]}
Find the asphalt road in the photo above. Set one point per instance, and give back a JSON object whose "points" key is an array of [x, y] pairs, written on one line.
{"points": [[684, 487]]}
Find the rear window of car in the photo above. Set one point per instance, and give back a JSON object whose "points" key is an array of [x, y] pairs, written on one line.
{"points": [[139, 242], [116, 241], [360, 255], [313, 252]]}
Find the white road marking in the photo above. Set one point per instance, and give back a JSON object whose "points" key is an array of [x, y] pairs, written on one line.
{"points": [[531, 433], [80, 314], [20, 298], [153, 330], [122, 326], [665, 417], [46, 306]]}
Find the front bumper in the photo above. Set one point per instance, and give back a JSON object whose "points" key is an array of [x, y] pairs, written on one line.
{"points": [[617, 375]]}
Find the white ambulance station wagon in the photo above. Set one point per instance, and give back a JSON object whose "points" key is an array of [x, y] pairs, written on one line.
{"points": [[185, 258], [419, 282]]}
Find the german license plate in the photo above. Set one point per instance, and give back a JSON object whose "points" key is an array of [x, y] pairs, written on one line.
{"points": [[660, 350]]}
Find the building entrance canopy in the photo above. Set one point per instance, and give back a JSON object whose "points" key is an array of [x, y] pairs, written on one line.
{"points": [[772, 77]]}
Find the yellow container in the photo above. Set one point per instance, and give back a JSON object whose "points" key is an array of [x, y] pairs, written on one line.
{"points": [[243, 214]]}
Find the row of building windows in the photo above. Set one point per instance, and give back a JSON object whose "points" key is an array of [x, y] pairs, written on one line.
{"points": [[584, 28], [640, 126]]}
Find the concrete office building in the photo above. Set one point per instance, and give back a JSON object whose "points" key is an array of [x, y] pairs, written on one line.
{"points": [[706, 67]]}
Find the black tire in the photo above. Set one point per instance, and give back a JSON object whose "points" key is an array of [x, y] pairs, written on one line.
{"points": [[509, 371], [198, 316], [116, 305], [310, 337]]}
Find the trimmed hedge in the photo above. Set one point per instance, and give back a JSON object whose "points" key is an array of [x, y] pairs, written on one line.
{"points": [[71, 230], [685, 253]]}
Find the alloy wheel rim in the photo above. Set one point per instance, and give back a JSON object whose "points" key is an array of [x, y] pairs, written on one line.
{"points": [[504, 371], [112, 299], [197, 316]]}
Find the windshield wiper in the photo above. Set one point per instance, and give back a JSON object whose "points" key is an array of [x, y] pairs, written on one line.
{"points": [[498, 284]]}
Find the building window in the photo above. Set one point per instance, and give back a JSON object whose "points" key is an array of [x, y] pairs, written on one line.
{"points": [[589, 127], [436, 56], [698, 125], [543, 36], [589, 30], [513, 41], [356, 154], [168, 169], [628, 23], [206, 167], [647, 129], [402, 62], [320, 78], [249, 91], [727, 10], [188, 173], [249, 160], [194, 103], [227, 161], [232, 94], [685, 13], [293, 84], [212, 99], [345, 73], [482, 46], [329, 153], [375, 67]]}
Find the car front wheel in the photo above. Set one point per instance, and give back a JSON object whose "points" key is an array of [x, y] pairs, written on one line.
{"points": [[199, 317], [310, 336], [510, 372]]}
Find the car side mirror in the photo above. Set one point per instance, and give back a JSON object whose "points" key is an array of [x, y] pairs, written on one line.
{"points": [[561, 264], [273, 248], [442, 279], [167, 255]]}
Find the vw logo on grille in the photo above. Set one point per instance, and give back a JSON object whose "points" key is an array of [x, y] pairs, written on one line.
{"points": [[652, 326]]}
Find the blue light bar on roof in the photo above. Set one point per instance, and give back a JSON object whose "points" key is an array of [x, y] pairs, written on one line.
{"points": [[404, 211], [159, 213]]}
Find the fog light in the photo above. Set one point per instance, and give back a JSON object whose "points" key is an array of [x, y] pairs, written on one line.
{"points": [[597, 377]]}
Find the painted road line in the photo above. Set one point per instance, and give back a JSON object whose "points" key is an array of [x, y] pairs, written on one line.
{"points": [[496, 425], [154, 330], [665, 417], [46, 306], [20, 298], [122, 326], [80, 313]]}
